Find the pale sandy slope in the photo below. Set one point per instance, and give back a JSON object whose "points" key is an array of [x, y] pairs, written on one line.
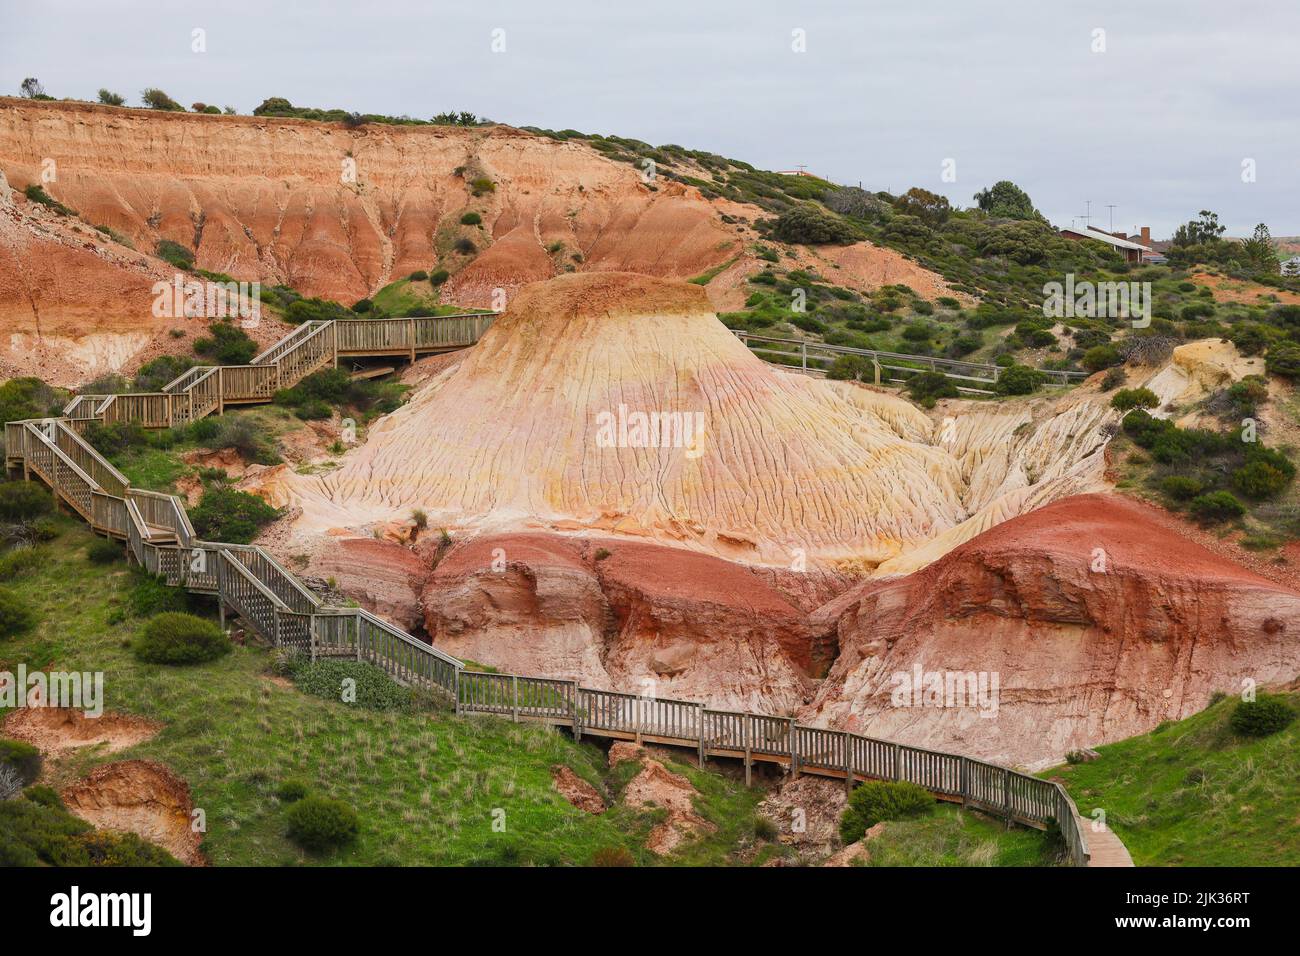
{"points": [[790, 466]]}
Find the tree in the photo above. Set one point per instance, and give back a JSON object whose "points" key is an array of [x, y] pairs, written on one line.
{"points": [[109, 98], [274, 106], [930, 208], [1260, 251], [32, 90], [156, 99], [1204, 230], [1006, 200]]}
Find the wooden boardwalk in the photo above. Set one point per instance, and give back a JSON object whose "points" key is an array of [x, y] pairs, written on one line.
{"points": [[247, 581], [889, 368]]}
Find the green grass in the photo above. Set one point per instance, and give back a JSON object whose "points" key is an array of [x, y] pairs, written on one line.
{"points": [[952, 836], [1192, 793], [425, 782]]}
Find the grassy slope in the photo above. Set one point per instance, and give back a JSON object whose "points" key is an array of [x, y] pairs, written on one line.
{"points": [[1194, 794], [425, 783], [953, 837]]}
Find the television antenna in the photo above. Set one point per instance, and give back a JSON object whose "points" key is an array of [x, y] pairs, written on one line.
{"points": [[1111, 207]]}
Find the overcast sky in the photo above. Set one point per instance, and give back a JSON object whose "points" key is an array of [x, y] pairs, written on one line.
{"points": [[1159, 124]]}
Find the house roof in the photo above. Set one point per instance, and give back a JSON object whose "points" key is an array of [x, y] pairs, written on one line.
{"points": [[1106, 237]]}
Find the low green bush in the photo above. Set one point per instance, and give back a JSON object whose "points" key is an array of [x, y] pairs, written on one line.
{"points": [[37, 830], [927, 387], [1181, 487], [371, 688], [225, 514], [439, 276], [24, 500], [878, 800], [22, 757], [175, 254], [1019, 380], [20, 560], [176, 638], [471, 219], [104, 551], [16, 615], [321, 823], [1216, 506], [1261, 717], [847, 368], [1127, 399], [226, 344], [290, 790]]}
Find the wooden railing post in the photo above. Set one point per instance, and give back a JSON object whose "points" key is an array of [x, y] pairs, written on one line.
{"points": [[848, 763], [699, 717], [1006, 795], [794, 751], [455, 689], [577, 712], [965, 781], [746, 737], [514, 710]]}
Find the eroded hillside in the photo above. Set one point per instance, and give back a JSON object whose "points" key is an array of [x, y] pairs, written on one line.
{"points": [[341, 212]]}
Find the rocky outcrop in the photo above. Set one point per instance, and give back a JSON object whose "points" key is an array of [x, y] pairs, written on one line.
{"points": [[382, 576], [1080, 623], [627, 616], [618, 404], [657, 786]]}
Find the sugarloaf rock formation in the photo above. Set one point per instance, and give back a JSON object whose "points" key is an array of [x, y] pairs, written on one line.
{"points": [[537, 428]]}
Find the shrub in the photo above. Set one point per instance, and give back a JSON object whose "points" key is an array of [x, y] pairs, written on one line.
{"points": [[1181, 487], [175, 254], [419, 275], [114, 438], [20, 560], [156, 373], [471, 219], [226, 344], [241, 434], [16, 615], [1261, 717], [320, 823], [23, 501], [804, 225], [851, 368], [1019, 380], [109, 98], [1259, 479], [374, 689], [879, 800], [1114, 378], [290, 791], [482, 185], [148, 594], [1127, 399], [465, 246], [22, 757], [1216, 506], [313, 410], [1284, 359], [616, 856], [420, 518], [362, 306], [28, 397], [104, 551], [156, 99], [224, 514], [114, 848], [176, 638], [439, 277], [927, 387], [1099, 357]]}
